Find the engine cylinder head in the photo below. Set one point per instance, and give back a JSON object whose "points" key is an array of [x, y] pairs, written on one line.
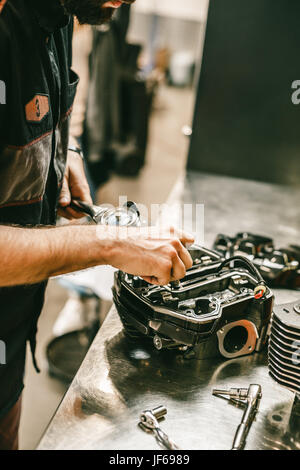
{"points": [[284, 346]]}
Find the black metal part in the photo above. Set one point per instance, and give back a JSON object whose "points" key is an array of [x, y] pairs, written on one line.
{"points": [[212, 312], [84, 208], [278, 267]]}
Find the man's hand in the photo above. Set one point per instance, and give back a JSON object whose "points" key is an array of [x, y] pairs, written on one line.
{"points": [[75, 186], [158, 256], [31, 255]]}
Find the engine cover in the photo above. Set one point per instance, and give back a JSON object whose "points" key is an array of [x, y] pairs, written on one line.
{"points": [[279, 267], [216, 310]]}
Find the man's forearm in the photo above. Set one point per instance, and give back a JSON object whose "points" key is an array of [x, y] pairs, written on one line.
{"points": [[32, 255], [29, 256]]}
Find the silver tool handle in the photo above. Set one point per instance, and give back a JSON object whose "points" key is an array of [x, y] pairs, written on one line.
{"points": [[164, 439], [81, 206], [253, 401], [240, 437]]}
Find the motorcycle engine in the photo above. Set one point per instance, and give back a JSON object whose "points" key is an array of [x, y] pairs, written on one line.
{"points": [[221, 308]]}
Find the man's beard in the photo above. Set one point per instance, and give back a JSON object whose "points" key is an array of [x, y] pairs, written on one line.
{"points": [[90, 11]]}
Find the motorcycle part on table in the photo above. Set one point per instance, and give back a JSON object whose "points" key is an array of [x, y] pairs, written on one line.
{"points": [[250, 399], [222, 308], [284, 346], [279, 267]]}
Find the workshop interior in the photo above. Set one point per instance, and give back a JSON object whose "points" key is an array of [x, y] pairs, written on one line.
{"points": [[192, 106]]}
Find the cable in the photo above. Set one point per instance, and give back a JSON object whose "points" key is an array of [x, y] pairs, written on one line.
{"points": [[248, 263]]}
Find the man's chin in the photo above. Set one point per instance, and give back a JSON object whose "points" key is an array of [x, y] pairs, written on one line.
{"points": [[104, 17]]}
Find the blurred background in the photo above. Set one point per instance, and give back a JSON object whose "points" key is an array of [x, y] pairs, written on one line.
{"points": [[167, 85]]}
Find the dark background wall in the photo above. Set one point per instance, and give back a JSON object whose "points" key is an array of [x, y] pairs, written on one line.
{"points": [[245, 123]]}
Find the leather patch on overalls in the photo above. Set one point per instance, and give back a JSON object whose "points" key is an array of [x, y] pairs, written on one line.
{"points": [[2, 3], [37, 108]]}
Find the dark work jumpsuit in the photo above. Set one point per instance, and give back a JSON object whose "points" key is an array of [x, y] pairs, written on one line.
{"points": [[37, 93]]}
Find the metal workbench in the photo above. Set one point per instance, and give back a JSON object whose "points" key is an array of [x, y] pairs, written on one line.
{"points": [[117, 381]]}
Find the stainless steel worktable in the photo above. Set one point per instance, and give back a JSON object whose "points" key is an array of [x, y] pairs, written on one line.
{"points": [[117, 381]]}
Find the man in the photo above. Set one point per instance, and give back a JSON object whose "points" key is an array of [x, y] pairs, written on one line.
{"points": [[40, 173]]}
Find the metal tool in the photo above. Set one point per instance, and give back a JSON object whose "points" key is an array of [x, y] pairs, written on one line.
{"points": [[250, 397], [149, 422]]}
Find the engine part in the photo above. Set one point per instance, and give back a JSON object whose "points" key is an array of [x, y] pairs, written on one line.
{"points": [[250, 397], [279, 267], [284, 346], [149, 422], [220, 308]]}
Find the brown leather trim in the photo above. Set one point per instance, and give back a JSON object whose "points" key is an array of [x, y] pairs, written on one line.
{"points": [[16, 147], [21, 203], [67, 114], [2, 3]]}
